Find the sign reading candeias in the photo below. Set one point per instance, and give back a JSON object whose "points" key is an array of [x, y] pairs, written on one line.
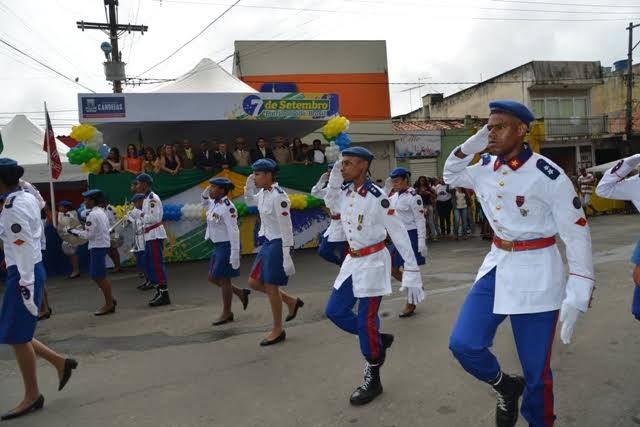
{"points": [[419, 143]]}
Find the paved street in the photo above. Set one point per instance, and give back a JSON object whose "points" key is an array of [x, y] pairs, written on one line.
{"points": [[169, 367]]}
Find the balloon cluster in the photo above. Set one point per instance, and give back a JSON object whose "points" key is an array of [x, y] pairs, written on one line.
{"points": [[335, 127], [120, 210], [193, 212], [244, 210], [172, 212], [90, 151]]}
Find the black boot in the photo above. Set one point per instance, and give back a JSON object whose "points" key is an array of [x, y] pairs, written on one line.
{"points": [[162, 298], [371, 388], [387, 341], [508, 389]]}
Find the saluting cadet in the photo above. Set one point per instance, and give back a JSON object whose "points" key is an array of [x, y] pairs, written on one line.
{"points": [[68, 217], [333, 243], [527, 199], [31, 189], [20, 230], [223, 231], [408, 206], [96, 230], [273, 266], [615, 185], [365, 275], [154, 235], [134, 219]]}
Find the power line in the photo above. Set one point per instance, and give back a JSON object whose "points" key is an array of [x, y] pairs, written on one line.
{"points": [[192, 39], [566, 4], [45, 65]]}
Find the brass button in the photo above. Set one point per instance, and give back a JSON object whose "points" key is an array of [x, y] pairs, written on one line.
{"points": [[499, 196], [505, 172], [501, 184], [498, 207]]}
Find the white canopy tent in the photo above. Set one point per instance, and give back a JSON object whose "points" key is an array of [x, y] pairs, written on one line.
{"points": [[206, 77], [23, 141]]}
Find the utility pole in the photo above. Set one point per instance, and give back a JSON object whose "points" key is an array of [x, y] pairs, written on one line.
{"points": [[113, 67], [629, 106]]}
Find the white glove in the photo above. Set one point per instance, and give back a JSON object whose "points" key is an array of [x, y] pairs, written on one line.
{"points": [[335, 177], [412, 282], [205, 193], [27, 297], [250, 186], [287, 262], [235, 261], [415, 296], [476, 143], [422, 248], [568, 317], [324, 178], [388, 186]]}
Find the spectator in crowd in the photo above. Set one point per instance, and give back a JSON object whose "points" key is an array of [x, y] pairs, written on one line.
{"points": [[302, 158], [586, 181], [170, 162], [114, 159], [317, 153], [241, 154], [160, 153], [205, 158], [186, 154], [106, 168], [444, 207], [295, 148], [424, 190], [132, 163], [281, 151], [460, 214], [262, 151], [150, 163], [223, 159]]}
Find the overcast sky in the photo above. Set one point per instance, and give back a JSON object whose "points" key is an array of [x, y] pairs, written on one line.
{"points": [[427, 41]]}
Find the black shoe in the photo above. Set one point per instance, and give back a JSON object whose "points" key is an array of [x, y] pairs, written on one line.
{"points": [[156, 296], [69, 366], [508, 391], [161, 299], [403, 314], [370, 389], [245, 298], [46, 315], [387, 342], [38, 404], [299, 304], [265, 342], [147, 286], [223, 321], [143, 286]]}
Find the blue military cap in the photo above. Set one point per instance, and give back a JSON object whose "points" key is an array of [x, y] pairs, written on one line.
{"points": [[137, 196], [514, 108], [264, 165], [6, 162], [399, 172], [93, 194], [65, 203], [358, 152], [222, 182], [144, 177]]}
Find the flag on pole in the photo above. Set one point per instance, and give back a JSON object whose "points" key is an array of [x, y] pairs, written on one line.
{"points": [[1, 144], [50, 147]]}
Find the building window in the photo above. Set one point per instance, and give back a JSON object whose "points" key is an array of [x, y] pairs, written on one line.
{"points": [[567, 107]]}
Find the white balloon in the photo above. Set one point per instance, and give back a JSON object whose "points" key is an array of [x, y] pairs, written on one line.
{"points": [[95, 142]]}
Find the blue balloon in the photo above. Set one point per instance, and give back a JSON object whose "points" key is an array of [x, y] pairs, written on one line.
{"points": [[104, 151], [343, 140], [252, 210]]}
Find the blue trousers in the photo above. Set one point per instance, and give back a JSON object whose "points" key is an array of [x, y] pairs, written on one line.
{"points": [[334, 252], [140, 262], [365, 324], [154, 263], [473, 335], [635, 306]]}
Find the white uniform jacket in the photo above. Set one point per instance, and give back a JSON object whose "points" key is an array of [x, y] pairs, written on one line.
{"points": [[134, 219], [335, 232], [367, 216], [408, 207], [222, 222], [529, 198], [152, 217], [275, 216], [20, 231], [96, 229], [615, 185]]}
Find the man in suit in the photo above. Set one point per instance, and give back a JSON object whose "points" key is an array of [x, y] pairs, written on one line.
{"points": [[205, 158], [223, 159], [262, 151]]}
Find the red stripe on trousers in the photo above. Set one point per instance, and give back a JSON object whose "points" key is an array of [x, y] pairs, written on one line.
{"points": [[255, 274], [155, 255], [548, 381], [372, 330]]}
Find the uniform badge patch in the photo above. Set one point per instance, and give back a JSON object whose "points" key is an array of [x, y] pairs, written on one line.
{"points": [[16, 228], [576, 202], [385, 203], [391, 211], [19, 242], [581, 222], [519, 201], [419, 202], [232, 210], [89, 223], [524, 212], [486, 159], [284, 204], [227, 202], [153, 204], [617, 167], [547, 169], [285, 213]]}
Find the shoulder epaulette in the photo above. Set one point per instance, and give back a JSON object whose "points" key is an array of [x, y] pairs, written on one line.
{"points": [[550, 171], [279, 190]]}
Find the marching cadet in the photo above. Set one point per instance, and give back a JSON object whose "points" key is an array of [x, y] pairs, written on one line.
{"points": [[616, 185], [154, 235], [273, 266], [68, 218], [365, 275], [333, 243], [408, 206], [97, 233], [527, 200], [134, 220], [20, 230], [223, 231]]}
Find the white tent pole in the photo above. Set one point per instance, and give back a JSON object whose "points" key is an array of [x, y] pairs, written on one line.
{"points": [[54, 218]]}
